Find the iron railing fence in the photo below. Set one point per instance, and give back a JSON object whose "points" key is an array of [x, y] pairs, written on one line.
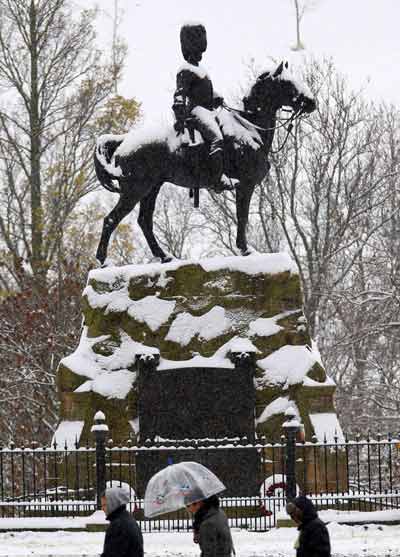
{"points": [[47, 481], [359, 474]]}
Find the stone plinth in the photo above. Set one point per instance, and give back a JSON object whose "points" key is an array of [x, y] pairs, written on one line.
{"points": [[226, 343]]}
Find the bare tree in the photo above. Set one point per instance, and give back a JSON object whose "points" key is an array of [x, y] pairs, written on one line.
{"points": [[332, 184], [365, 351], [301, 7], [35, 332], [176, 223], [57, 96], [56, 86]]}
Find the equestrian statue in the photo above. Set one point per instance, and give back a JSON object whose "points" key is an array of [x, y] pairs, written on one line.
{"points": [[210, 146]]}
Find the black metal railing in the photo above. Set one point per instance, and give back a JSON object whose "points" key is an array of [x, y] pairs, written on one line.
{"points": [[47, 481], [342, 474]]}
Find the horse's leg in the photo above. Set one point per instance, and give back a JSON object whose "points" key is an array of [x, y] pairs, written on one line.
{"points": [[243, 197], [126, 203], [145, 220]]}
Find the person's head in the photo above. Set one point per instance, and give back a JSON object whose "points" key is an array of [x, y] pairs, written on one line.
{"points": [[301, 510], [193, 506], [113, 498], [193, 42], [294, 512], [194, 500]]}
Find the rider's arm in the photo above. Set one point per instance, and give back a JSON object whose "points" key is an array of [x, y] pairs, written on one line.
{"points": [[180, 99], [183, 85]]}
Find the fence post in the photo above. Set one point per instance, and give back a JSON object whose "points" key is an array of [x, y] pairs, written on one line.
{"points": [[290, 427], [100, 431]]}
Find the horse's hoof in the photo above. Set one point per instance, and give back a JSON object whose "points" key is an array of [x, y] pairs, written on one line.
{"points": [[107, 263], [167, 258]]}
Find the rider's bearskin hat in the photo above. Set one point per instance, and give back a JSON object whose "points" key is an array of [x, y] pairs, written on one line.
{"points": [[193, 39]]}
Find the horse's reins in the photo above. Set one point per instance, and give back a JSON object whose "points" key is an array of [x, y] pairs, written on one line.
{"points": [[289, 122], [296, 115]]}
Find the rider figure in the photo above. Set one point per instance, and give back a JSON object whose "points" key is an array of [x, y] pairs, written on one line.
{"points": [[195, 99]]}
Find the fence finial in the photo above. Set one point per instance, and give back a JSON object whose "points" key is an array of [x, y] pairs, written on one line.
{"points": [[99, 422], [292, 420], [100, 431]]}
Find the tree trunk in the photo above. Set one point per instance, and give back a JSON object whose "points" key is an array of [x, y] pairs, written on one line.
{"points": [[299, 45], [37, 262]]}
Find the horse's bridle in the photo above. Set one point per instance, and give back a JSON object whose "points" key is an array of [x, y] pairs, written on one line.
{"points": [[296, 114]]}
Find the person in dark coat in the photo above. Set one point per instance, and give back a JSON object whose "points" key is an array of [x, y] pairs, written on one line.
{"points": [[210, 528], [313, 540], [123, 536]]}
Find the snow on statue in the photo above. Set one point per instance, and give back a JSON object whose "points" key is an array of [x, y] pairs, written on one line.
{"points": [[211, 145]]}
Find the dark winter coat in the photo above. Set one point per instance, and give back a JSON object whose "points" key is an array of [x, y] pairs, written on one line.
{"points": [[213, 533], [123, 536], [314, 536]]}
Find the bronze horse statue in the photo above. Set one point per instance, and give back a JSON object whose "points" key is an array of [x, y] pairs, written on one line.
{"points": [[136, 166]]}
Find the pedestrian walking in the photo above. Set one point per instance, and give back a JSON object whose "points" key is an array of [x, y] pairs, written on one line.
{"points": [[192, 486], [210, 528], [313, 539], [123, 536]]}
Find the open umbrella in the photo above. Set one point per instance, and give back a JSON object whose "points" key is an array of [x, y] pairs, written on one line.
{"points": [[179, 485]]}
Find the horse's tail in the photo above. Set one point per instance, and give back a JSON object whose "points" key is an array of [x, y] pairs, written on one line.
{"points": [[106, 170]]}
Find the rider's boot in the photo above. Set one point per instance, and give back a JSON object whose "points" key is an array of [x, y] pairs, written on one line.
{"points": [[219, 181]]}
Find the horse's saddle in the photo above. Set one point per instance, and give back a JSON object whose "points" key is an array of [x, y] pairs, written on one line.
{"points": [[234, 127]]}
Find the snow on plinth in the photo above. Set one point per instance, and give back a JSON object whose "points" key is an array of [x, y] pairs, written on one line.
{"points": [[327, 428], [267, 326], [218, 360], [240, 345], [68, 433], [287, 366], [135, 425], [254, 264], [210, 325], [277, 406], [108, 376], [109, 290], [152, 311]]}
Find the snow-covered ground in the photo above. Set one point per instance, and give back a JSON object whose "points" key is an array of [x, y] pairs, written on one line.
{"points": [[347, 541]]}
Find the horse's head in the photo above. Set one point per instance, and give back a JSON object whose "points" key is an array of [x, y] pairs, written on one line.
{"points": [[276, 88]]}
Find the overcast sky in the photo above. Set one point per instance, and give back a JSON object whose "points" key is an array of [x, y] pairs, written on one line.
{"points": [[362, 37]]}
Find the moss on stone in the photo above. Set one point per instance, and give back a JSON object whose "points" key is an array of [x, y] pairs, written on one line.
{"points": [[106, 347], [244, 297], [67, 380], [317, 373]]}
